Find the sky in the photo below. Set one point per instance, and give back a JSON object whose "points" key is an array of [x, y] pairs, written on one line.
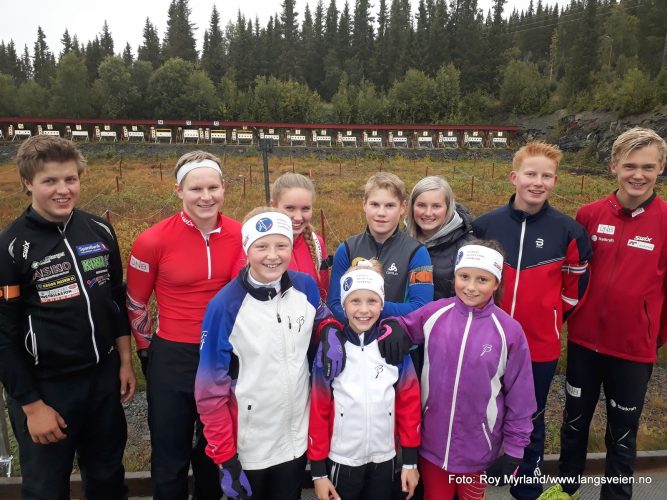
{"points": [[126, 18]]}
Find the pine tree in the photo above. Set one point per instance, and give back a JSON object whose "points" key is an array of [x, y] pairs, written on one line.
{"points": [[128, 58], [289, 50], [150, 50], [362, 38], [179, 40], [213, 53], [44, 64], [106, 41], [66, 40]]}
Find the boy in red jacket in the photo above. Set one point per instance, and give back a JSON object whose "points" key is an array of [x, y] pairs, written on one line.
{"points": [[615, 333]]}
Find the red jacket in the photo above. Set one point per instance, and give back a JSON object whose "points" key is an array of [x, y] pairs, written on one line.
{"points": [[624, 312], [185, 270], [302, 261], [545, 271]]}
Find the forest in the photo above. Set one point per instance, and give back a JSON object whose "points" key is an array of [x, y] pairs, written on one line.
{"points": [[368, 62]]}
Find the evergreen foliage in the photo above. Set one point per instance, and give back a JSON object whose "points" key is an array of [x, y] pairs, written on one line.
{"points": [[355, 61]]}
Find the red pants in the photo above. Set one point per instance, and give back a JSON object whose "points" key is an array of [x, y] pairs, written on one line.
{"points": [[442, 485]]}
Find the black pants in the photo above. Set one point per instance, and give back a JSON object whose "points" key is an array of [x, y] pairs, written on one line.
{"points": [[172, 419], [89, 402], [280, 482], [533, 454], [624, 385], [363, 482]]}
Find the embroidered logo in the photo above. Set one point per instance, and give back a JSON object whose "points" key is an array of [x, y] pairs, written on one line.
{"points": [[264, 224], [614, 404], [642, 242], [486, 348], [378, 369], [91, 248], [539, 243], [575, 392], [347, 283], [98, 262], [26, 247], [139, 265], [606, 229]]}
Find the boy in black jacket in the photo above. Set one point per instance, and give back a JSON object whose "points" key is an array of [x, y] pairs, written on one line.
{"points": [[64, 335]]}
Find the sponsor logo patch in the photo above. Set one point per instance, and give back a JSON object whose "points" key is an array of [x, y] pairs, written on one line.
{"points": [[392, 269], [60, 293], [52, 270], [56, 283], [614, 404], [539, 243], [91, 248], [99, 262], [642, 242], [606, 229], [575, 392], [139, 265], [98, 280]]}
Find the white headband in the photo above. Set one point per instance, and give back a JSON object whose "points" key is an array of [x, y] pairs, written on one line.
{"points": [[480, 257], [265, 224], [191, 165], [362, 277]]}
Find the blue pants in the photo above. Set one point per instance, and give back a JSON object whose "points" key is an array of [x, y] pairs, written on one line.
{"points": [[533, 454]]}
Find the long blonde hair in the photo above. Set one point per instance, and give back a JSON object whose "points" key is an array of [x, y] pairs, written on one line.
{"points": [[289, 181]]}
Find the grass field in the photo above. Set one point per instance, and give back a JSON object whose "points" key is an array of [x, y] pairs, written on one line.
{"points": [[137, 194]]}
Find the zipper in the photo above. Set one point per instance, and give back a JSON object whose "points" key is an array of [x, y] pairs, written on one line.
{"points": [[518, 266], [609, 280], [208, 253], [556, 323], [84, 293], [32, 350], [288, 384], [456, 388]]}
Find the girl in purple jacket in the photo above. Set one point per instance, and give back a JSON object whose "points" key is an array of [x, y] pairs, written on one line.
{"points": [[477, 392]]}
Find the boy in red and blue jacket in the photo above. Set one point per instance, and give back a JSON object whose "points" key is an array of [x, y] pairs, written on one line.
{"points": [[545, 275]]}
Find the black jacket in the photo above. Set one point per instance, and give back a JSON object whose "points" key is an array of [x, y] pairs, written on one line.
{"points": [[63, 304], [443, 250]]}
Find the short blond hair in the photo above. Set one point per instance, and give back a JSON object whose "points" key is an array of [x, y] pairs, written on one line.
{"points": [[195, 156], [385, 180], [261, 210], [537, 148], [634, 139]]}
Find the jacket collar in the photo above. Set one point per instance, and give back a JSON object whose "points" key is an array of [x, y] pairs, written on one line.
{"points": [[621, 210], [476, 312], [190, 223], [388, 241], [354, 337], [448, 233], [264, 293], [35, 218], [520, 215]]}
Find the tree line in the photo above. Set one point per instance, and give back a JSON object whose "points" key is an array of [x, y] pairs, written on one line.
{"points": [[448, 63]]}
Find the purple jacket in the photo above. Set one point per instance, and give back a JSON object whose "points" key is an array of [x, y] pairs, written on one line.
{"points": [[477, 384]]}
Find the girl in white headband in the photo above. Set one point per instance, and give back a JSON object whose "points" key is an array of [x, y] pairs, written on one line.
{"points": [[252, 387], [363, 404], [477, 382]]}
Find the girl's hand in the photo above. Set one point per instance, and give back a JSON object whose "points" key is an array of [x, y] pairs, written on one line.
{"points": [[409, 480], [324, 489]]}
